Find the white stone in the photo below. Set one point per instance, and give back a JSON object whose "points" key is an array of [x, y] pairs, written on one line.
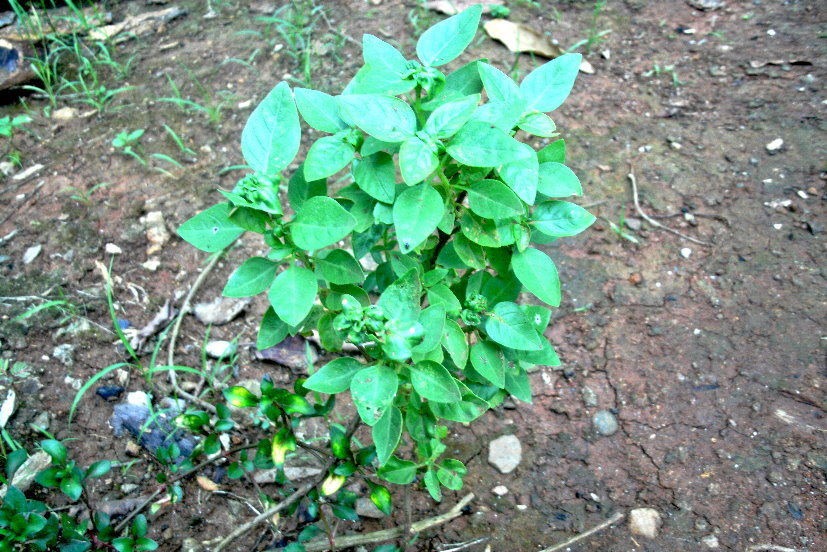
{"points": [[686, 252], [151, 264], [710, 541], [31, 253], [113, 249], [138, 398], [500, 490], [775, 145], [156, 232], [505, 453], [65, 113], [221, 349], [644, 522]]}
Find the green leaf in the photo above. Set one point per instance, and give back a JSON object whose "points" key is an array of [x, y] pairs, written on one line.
{"points": [[537, 272], [16, 458], [547, 87], [546, 357], [240, 397], [381, 497], [479, 145], [538, 124], [494, 200], [272, 330], [272, 135], [335, 376], [327, 156], [293, 293], [49, 476], [539, 316], [432, 484], [510, 327], [448, 39], [488, 360], [462, 82], [453, 339], [319, 110], [448, 118], [434, 382], [499, 86], [372, 79], [417, 160], [384, 117], [99, 468], [251, 278], [557, 180], [518, 384], [561, 218], [379, 54], [373, 390], [376, 175], [55, 449], [300, 190], [211, 230], [440, 294], [432, 320], [329, 337], [522, 174], [321, 221], [450, 473], [400, 472], [400, 300], [486, 232], [71, 487], [555, 152], [416, 214], [386, 433], [471, 254], [338, 266], [502, 115]]}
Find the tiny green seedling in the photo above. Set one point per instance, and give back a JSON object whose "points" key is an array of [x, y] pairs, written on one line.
{"points": [[669, 70], [127, 142]]}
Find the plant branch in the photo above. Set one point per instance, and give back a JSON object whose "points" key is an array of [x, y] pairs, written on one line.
{"points": [[565, 544]]}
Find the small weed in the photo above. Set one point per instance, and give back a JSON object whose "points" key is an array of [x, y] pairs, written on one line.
{"points": [[596, 37], [85, 196], [179, 142], [619, 227], [666, 69], [127, 142], [212, 105], [296, 24]]}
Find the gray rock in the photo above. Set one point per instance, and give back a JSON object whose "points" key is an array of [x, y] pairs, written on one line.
{"points": [[291, 352], [42, 421], [633, 224], [589, 396], [25, 474], [605, 423], [221, 310], [645, 522], [710, 541], [706, 5], [505, 453], [64, 353], [366, 508]]}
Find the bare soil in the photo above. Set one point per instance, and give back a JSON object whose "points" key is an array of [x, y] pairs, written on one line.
{"points": [[712, 359]]}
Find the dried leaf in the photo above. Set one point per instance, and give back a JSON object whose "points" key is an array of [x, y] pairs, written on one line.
{"points": [[164, 316], [206, 483], [522, 38], [453, 7]]}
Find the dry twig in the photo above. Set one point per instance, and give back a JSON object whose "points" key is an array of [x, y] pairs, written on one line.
{"points": [[770, 548], [614, 519]]}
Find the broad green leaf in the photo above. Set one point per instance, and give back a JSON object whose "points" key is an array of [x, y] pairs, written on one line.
{"points": [[440, 294], [547, 87], [510, 327], [538, 124], [251, 278], [450, 473], [462, 82], [371, 145], [384, 117], [518, 384], [329, 337], [335, 376], [378, 80], [545, 357], [240, 397], [467, 410], [55, 449], [321, 221], [503, 115], [362, 208], [448, 39], [71, 487], [539, 316], [403, 263], [400, 300], [376, 175], [293, 293], [499, 86], [373, 390], [416, 214], [272, 330], [480, 145], [381, 497], [522, 175], [16, 458], [557, 180], [555, 152], [319, 110], [339, 267], [386, 433], [488, 360], [471, 254], [433, 382], [327, 156], [211, 230], [454, 341], [505, 287], [448, 257], [538, 274], [400, 472], [300, 190], [561, 218], [486, 232], [432, 320], [272, 135], [378, 53], [494, 200], [433, 277], [252, 220], [417, 160], [448, 118]]}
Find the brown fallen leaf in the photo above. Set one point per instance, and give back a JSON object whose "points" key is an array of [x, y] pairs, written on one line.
{"points": [[453, 7], [206, 483], [522, 38]]}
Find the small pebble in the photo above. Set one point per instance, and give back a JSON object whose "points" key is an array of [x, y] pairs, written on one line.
{"points": [[221, 349], [686, 252], [113, 249], [505, 453], [605, 423], [109, 392], [500, 490], [774, 146], [710, 541], [635, 278], [644, 522], [31, 253]]}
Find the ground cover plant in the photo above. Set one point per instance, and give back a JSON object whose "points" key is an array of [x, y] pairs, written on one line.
{"points": [[418, 279]]}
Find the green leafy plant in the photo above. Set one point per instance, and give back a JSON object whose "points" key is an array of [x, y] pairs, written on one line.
{"points": [[127, 142], [596, 37], [421, 276]]}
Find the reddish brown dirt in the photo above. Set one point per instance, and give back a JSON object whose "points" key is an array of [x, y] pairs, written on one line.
{"points": [[713, 364]]}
